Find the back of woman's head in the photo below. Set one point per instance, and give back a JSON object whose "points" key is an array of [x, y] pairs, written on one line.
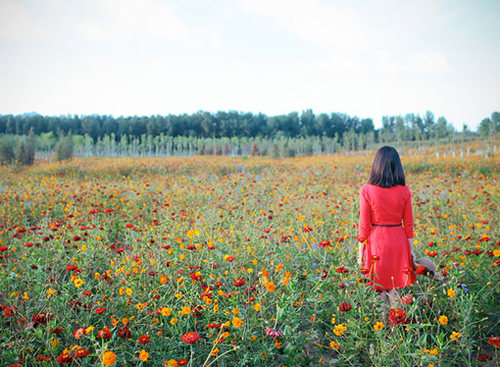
{"points": [[387, 170]]}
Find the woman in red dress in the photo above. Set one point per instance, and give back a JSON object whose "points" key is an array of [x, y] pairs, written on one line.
{"points": [[386, 227]]}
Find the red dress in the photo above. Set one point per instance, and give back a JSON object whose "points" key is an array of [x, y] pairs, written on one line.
{"points": [[387, 254]]}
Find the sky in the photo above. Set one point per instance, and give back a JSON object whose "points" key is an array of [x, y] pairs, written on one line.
{"points": [[365, 58]]}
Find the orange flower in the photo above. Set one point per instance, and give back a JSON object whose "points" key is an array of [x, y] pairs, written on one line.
{"points": [[108, 358]]}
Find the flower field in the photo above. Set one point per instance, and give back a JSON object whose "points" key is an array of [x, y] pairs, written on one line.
{"points": [[240, 262]]}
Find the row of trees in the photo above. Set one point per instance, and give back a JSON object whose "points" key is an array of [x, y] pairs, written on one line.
{"points": [[285, 135], [230, 124]]}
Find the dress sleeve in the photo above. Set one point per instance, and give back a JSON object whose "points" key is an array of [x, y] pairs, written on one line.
{"points": [[365, 216], [408, 218]]}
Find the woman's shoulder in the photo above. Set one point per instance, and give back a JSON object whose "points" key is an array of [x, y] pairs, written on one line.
{"points": [[370, 187]]}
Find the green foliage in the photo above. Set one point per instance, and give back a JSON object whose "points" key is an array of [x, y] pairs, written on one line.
{"points": [[64, 147], [7, 144]]}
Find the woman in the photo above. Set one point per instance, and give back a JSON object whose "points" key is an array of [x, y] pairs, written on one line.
{"points": [[386, 227]]}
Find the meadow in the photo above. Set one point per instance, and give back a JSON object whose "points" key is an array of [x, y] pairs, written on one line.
{"points": [[220, 261]]}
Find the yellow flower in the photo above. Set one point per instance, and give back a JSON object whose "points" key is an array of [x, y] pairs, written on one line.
{"points": [[235, 311], [78, 282], [333, 320], [186, 310], [378, 326], [451, 293], [237, 322], [454, 336], [496, 252], [143, 355], [89, 329], [108, 358], [51, 292], [215, 352], [334, 345], [257, 307], [129, 292], [165, 311], [173, 321], [339, 329], [443, 320]]}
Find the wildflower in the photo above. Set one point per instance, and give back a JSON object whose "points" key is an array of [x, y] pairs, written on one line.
{"points": [[165, 311], [190, 337], [407, 299], [339, 329], [270, 286], [81, 352], [378, 326], [124, 332], [144, 339], [108, 358], [421, 270], [451, 293], [334, 345], [65, 357], [273, 333], [239, 283], [78, 333], [100, 310], [484, 357], [257, 307], [104, 333], [397, 317], [171, 363], [345, 307], [495, 341], [454, 336], [143, 355], [443, 320], [237, 322]]}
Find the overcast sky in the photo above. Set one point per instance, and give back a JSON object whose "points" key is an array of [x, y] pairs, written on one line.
{"points": [[367, 58]]}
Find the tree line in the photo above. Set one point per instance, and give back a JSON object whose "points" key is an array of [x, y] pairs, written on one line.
{"points": [[221, 133]]}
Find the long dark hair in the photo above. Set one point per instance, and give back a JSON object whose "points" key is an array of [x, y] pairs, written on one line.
{"points": [[387, 170]]}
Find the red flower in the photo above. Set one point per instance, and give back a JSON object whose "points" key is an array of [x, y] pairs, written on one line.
{"points": [[100, 310], [144, 339], [495, 341], [341, 270], [345, 307], [364, 271], [104, 333], [407, 299], [230, 258], [432, 253], [484, 357], [57, 330], [324, 244], [190, 337], [239, 283], [421, 270], [214, 325], [78, 333], [182, 362], [64, 358], [397, 317], [81, 352], [124, 332], [3, 248]]}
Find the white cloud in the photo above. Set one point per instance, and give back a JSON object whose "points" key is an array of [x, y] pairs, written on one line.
{"points": [[429, 62], [16, 23]]}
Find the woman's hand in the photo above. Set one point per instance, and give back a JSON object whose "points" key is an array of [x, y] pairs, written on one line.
{"points": [[360, 260]]}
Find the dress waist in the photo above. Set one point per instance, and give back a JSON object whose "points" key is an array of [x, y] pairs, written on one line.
{"points": [[386, 225]]}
